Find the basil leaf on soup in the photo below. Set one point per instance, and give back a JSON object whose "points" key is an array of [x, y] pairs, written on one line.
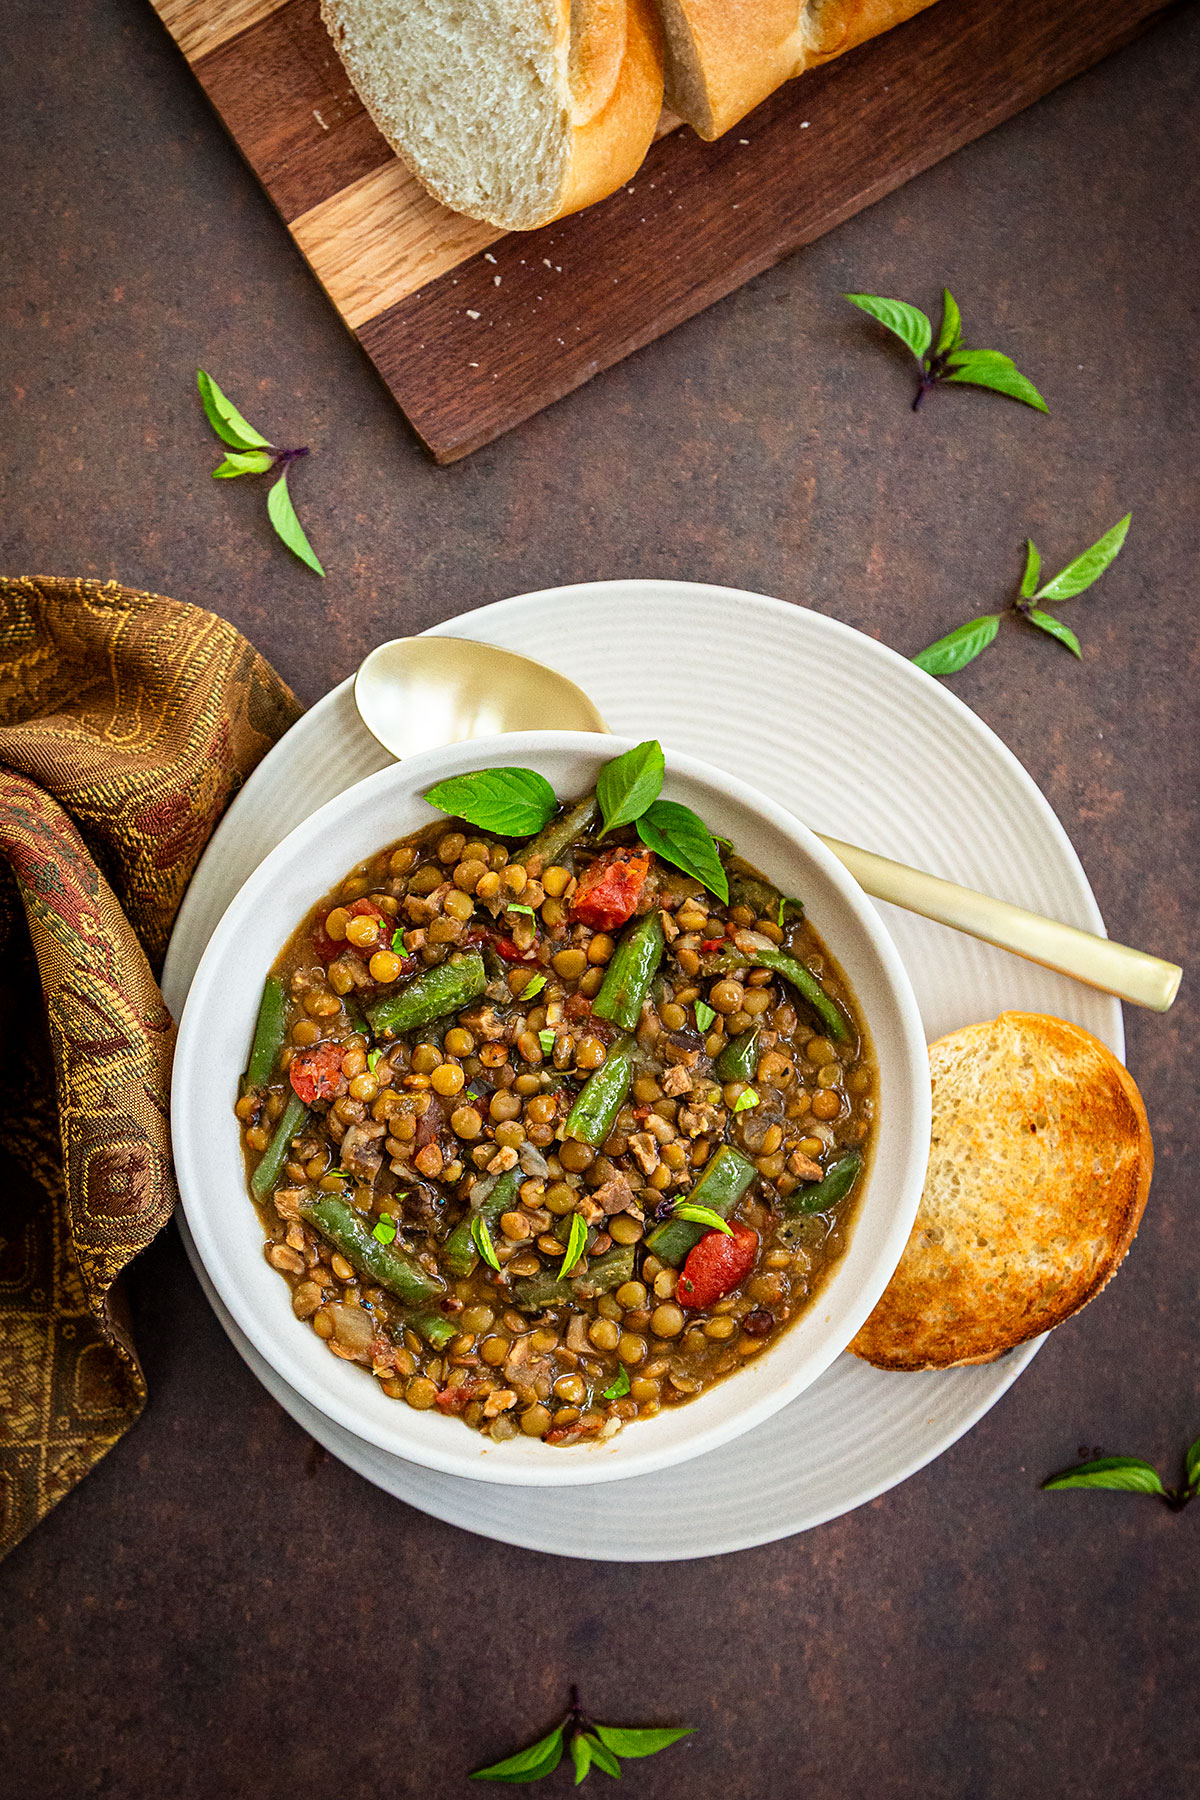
{"points": [[510, 802], [675, 833], [627, 785]]}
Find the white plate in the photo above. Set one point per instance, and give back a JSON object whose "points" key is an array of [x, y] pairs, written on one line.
{"points": [[859, 744]]}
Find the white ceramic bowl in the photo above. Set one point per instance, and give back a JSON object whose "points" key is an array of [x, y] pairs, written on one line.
{"points": [[218, 1022]]}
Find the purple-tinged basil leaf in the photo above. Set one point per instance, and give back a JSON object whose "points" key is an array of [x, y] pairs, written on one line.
{"points": [[243, 462], [950, 335], [1089, 566], [1033, 568], [282, 515], [1047, 622], [225, 418], [906, 322], [602, 1757], [959, 647], [540, 1759], [1125, 1474], [992, 369]]}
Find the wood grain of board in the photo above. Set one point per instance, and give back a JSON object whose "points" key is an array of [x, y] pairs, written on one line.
{"points": [[474, 330]]}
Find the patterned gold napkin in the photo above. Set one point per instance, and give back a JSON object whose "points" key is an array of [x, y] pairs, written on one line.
{"points": [[127, 724]]}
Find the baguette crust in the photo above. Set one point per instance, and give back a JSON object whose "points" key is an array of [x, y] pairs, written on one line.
{"points": [[725, 56], [1039, 1170], [608, 57]]}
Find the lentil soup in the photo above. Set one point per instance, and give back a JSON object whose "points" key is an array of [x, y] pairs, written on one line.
{"points": [[545, 1135]]}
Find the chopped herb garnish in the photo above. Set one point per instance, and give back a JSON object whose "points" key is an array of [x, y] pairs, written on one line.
{"points": [[701, 1215], [546, 1040], [618, 1386], [533, 987], [786, 900], [576, 1244], [745, 1100], [482, 1239], [704, 1015], [521, 909], [373, 1057], [398, 941], [385, 1230]]}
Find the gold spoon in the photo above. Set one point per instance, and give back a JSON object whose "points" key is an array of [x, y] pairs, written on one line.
{"points": [[417, 693]]}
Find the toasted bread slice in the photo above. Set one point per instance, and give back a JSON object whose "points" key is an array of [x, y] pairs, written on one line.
{"points": [[1038, 1174]]}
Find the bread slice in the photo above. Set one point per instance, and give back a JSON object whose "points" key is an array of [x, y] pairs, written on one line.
{"points": [[725, 56], [1039, 1168], [513, 111]]}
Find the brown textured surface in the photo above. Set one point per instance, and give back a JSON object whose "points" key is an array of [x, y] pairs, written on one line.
{"points": [[218, 1609]]}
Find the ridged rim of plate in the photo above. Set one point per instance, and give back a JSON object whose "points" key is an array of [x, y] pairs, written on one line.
{"points": [[779, 696]]}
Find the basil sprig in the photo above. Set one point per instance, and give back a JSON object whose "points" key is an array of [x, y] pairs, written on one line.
{"points": [[628, 792], [251, 454], [948, 359], [700, 1215], [590, 1745], [1130, 1475], [962, 645], [512, 802]]}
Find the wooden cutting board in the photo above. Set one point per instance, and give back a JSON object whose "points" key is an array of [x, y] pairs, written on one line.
{"points": [[474, 330]]}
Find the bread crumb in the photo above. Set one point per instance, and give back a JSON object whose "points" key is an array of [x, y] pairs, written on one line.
{"points": [[743, 140], [804, 124], [320, 120], [488, 257], [472, 365], [471, 314]]}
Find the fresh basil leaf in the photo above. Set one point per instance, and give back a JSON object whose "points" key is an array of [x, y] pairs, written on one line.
{"points": [[576, 1244], [530, 990], [398, 940], [373, 1057], [243, 462], [540, 1759], [950, 336], [959, 647], [482, 1239], [1128, 1474], [1033, 568], [384, 1230], [1193, 1465], [786, 901], [522, 909], [992, 369], [704, 1015], [645, 1740], [628, 784], [1047, 622], [618, 1386], [282, 515], [908, 323], [745, 1100], [225, 418], [675, 833], [1088, 567], [581, 1755], [701, 1215], [512, 802], [546, 1040], [603, 1757]]}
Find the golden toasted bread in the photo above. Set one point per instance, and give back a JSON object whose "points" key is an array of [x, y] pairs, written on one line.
{"points": [[1039, 1167]]}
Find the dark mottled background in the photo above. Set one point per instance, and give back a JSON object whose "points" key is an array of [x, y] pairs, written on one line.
{"points": [[222, 1611]]}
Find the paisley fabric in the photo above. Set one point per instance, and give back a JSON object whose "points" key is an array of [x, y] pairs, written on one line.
{"points": [[127, 724]]}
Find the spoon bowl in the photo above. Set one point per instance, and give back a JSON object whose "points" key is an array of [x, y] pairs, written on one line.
{"points": [[419, 693]]}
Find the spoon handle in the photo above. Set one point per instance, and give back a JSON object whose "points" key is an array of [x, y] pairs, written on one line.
{"points": [[1115, 968]]}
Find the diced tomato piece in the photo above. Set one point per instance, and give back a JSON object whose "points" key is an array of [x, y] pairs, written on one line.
{"points": [[327, 948], [455, 1399], [716, 1265], [508, 950], [710, 944], [608, 893], [316, 1073]]}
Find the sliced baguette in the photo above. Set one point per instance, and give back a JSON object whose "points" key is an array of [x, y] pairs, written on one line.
{"points": [[512, 111], [725, 56], [1038, 1174]]}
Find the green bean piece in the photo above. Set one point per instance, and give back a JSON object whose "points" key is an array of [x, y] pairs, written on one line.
{"points": [[602, 1275], [834, 1185], [269, 1030], [802, 979], [430, 995], [565, 829], [602, 1095], [386, 1265], [291, 1124], [726, 1177], [436, 1331], [629, 974], [748, 888], [738, 1061], [459, 1254]]}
